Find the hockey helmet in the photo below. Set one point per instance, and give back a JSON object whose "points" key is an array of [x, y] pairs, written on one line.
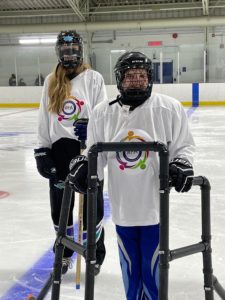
{"points": [[69, 49], [133, 60]]}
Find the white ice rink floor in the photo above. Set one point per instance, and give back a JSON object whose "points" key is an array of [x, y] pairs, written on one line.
{"points": [[27, 235]]}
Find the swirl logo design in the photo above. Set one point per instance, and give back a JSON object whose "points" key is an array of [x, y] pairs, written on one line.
{"points": [[132, 159], [71, 109]]}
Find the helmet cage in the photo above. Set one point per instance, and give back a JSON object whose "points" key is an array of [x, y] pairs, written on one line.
{"points": [[69, 49], [133, 60]]}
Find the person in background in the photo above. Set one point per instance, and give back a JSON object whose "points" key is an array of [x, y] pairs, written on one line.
{"points": [[138, 115], [12, 80], [69, 94], [22, 82], [39, 80]]}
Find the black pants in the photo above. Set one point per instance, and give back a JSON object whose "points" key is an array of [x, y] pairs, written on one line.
{"points": [[63, 151]]}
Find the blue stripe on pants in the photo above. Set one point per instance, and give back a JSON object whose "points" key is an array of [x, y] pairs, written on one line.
{"points": [[138, 252]]}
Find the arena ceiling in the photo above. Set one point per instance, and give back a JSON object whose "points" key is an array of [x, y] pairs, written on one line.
{"points": [[19, 11], [19, 17]]}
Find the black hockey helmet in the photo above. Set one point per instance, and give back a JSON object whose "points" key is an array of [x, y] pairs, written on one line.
{"points": [[133, 60], [69, 49]]}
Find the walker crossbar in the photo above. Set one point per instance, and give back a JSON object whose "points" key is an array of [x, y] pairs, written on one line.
{"points": [[89, 252], [92, 193], [165, 255], [210, 281]]}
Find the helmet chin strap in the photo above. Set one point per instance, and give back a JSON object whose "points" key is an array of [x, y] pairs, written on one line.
{"points": [[71, 75], [131, 102], [134, 97]]}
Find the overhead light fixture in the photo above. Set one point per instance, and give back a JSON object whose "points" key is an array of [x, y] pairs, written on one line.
{"points": [[118, 51], [29, 41], [37, 41], [48, 41]]}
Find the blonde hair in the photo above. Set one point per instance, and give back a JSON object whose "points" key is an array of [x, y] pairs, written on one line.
{"points": [[60, 87]]}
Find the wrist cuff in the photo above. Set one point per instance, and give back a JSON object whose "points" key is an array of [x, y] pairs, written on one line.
{"points": [[181, 161]]}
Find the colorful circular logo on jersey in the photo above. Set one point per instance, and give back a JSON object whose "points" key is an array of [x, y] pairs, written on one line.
{"points": [[72, 108], [132, 159]]}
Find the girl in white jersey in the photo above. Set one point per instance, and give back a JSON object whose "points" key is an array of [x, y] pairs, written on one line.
{"points": [[69, 94], [133, 177]]}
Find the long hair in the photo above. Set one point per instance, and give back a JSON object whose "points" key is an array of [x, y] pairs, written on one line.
{"points": [[60, 87]]}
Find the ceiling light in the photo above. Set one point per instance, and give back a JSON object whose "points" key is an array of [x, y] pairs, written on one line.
{"points": [[37, 41], [117, 51], [48, 41], [29, 41]]}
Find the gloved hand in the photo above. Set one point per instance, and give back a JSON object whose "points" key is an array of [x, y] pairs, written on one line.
{"points": [[45, 164], [78, 174], [181, 173], [80, 129]]}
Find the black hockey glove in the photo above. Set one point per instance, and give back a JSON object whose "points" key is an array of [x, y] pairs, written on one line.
{"points": [[181, 173], [78, 174], [45, 164], [80, 129]]}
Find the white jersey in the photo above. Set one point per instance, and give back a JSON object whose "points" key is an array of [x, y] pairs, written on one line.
{"points": [[87, 90], [133, 177]]}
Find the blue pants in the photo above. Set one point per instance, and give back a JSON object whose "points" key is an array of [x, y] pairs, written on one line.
{"points": [[138, 252]]}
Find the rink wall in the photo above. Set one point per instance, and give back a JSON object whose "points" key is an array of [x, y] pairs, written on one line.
{"points": [[196, 94]]}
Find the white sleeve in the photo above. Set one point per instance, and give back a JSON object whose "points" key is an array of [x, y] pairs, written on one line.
{"points": [[95, 134], [182, 144], [44, 139], [101, 94]]}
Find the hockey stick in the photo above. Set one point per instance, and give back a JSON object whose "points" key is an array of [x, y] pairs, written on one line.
{"points": [[79, 240]]}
